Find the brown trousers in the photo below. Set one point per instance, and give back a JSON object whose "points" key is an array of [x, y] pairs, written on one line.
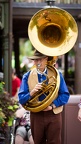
{"points": [[46, 127]]}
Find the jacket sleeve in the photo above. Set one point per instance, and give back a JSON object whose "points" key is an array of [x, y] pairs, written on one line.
{"points": [[63, 93], [24, 94]]}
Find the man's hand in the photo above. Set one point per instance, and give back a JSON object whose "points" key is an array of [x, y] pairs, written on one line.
{"points": [[36, 88], [50, 107]]}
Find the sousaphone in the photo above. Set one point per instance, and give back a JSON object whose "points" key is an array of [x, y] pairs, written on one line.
{"points": [[53, 32]]}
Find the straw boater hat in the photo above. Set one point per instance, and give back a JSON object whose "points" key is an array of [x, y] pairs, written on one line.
{"points": [[38, 55]]}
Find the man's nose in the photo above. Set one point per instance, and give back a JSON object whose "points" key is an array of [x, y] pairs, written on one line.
{"points": [[39, 60]]}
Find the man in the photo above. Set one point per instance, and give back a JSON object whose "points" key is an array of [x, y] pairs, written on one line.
{"points": [[45, 125]]}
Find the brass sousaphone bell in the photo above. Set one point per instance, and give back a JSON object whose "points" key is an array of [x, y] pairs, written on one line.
{"points": [[53, 32]]}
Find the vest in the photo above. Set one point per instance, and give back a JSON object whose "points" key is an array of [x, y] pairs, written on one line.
{"points": [[33, 80]]}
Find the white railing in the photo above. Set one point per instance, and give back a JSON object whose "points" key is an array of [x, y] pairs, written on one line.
{"points": [[57, 1]]}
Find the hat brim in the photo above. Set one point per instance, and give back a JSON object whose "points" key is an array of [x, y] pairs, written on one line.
{"points": [[36, 57]]}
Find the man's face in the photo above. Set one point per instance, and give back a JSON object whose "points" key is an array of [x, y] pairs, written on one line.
{"points": [[41, 63]]}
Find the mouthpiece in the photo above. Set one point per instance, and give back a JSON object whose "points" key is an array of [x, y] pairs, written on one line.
{"points": [[39, 65]]}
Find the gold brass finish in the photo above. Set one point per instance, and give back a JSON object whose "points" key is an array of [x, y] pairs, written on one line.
{"points": [[52, 31], [50, 90]]}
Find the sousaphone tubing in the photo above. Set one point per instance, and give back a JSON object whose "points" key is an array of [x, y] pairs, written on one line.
{"points": [[53, 32]]}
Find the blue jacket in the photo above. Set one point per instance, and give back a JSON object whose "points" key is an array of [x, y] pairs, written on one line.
{"points": [[24, 94]]}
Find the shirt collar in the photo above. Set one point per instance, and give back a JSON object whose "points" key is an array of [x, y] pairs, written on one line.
{"points": [[42, 72]]}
